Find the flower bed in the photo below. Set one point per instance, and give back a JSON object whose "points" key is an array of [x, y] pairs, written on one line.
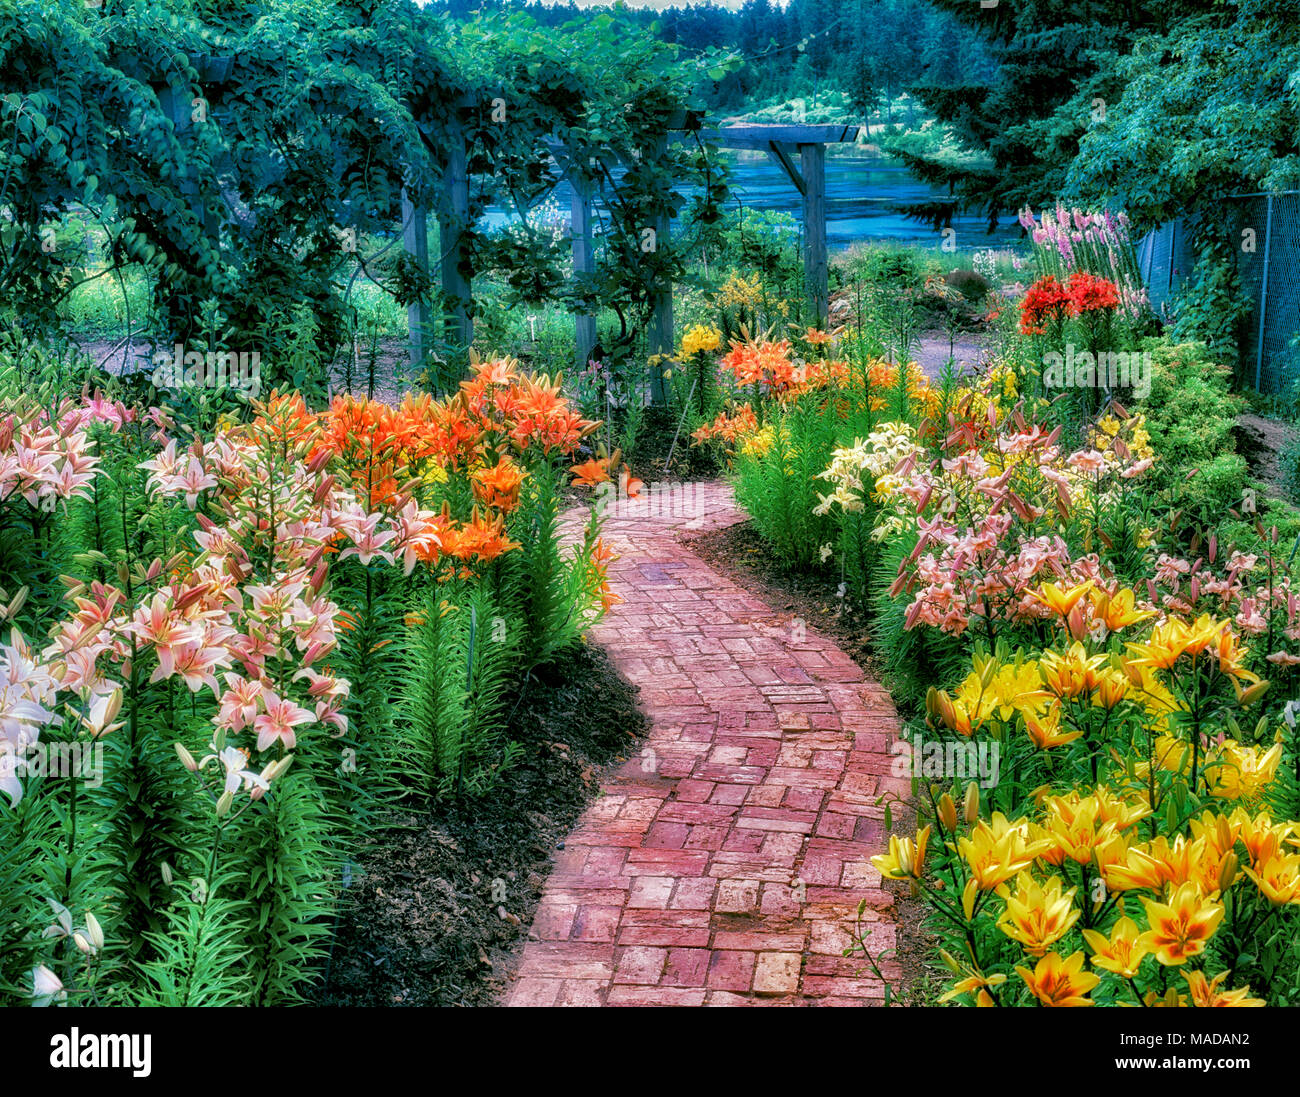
{"points": [[1099, 666], [229, 649]]}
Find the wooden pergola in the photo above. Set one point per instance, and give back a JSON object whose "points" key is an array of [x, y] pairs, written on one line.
{"points": [[800, 150], [808, 144]]}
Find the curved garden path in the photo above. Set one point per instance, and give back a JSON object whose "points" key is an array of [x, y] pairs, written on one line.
{"points": [[724, 864]]}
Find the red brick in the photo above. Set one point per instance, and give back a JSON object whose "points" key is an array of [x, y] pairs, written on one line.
{"points": [[596, 923], [694, 894], [687, 967], [730, 872], [777, 973], [737, 897], [641, 965], [651, 891], [554, 921], [731, 970]]}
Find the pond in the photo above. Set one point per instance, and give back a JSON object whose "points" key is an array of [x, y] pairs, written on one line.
{"points": [[864, 196]]}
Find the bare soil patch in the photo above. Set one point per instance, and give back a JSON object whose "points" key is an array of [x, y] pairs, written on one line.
{"points": [[441, 901]]}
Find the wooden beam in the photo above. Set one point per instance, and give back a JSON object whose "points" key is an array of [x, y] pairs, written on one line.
{"points": [[816, 264], [584, 262], [782, 156], [453, 219], [415, 240], [755, 136]]}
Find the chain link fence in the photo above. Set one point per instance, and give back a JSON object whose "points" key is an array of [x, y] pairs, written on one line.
{"points": [[1265, 229]]}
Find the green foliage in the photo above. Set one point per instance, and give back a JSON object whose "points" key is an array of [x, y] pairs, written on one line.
{"points": [[886, 265], [1212, 306], [287, 854], [1204, 105], [1191, 414], [198, 955], [914, 659], [245, 166], [456, 673], [28, 831], [762, 242], [779, 487]]}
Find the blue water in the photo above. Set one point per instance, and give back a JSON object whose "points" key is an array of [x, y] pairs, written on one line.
{"points": [[862, 199]]}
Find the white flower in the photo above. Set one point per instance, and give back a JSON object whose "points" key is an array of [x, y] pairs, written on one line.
{"points": [[47, 988]]}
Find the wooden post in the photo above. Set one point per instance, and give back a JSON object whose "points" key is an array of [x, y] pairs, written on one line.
{"points": [[661, 317], [453, 218], [415, 239], [584, 262], [815, 263]]}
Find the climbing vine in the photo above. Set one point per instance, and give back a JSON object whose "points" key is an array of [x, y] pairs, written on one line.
{"points": [[247, 157]]}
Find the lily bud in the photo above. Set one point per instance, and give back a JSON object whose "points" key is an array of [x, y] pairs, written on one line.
{"points": [[947, 813], [167, 874], [94, 931], [968, 899], [223, 804], [187, 759], [1077, 623], [972, 803], [82, 944], [1227, 871], [949, 961], [1224, 833]]}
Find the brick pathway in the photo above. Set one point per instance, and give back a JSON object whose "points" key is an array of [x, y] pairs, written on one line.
{"points": [[722, 865]]}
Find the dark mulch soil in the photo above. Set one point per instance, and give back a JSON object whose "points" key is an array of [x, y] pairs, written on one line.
{"points": [[739, 553], [440, 904]]}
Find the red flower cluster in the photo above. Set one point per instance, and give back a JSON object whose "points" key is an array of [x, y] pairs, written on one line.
{"points": [[1049, 300]]}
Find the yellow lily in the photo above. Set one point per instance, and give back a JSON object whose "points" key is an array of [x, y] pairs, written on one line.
{"points": [[1059, 601], [1239, 772], [906, 857], [996, 851], [1181, 928], [1072, 673], [1278, 878], [1117, 611], [1037, 915], [1206, 992], [1057, 982], [1045, 731], [1122, 952]]}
